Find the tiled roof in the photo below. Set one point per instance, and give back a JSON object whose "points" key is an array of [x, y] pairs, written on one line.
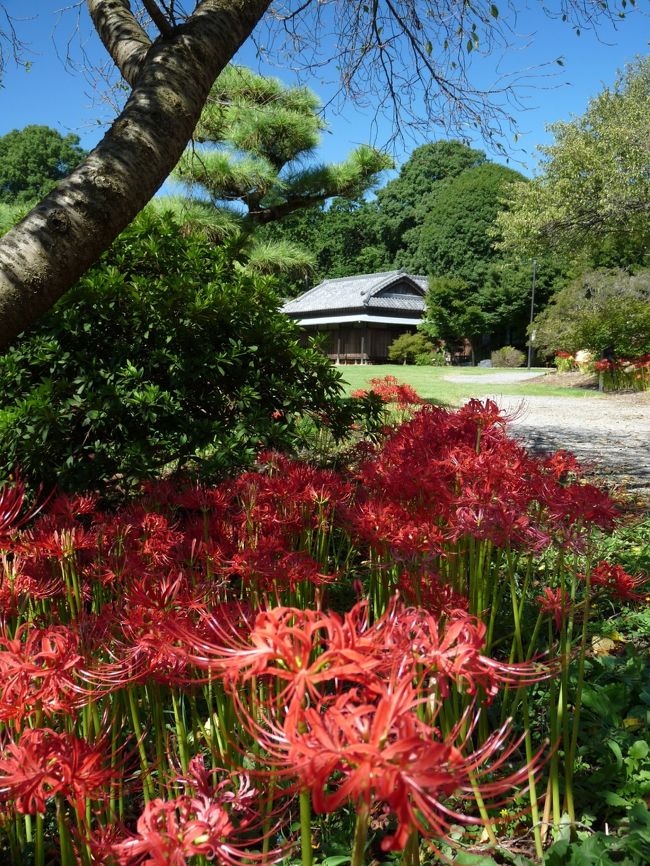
{"points": [[360, 292]]}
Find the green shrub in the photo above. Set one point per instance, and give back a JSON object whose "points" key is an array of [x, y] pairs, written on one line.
{"points": [[600, 310], [406, 348], [432, 359], [508, 356], [164, 354]]}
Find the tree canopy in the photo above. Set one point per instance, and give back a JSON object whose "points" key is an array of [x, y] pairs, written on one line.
{"points": [[594, 187], [598, 310], [33, 160], [404, 202], [455, 235]]}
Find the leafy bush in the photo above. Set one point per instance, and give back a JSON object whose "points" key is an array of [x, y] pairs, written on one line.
{"points": [[406, 348], [601, 310], [163, 353], [432, 359], [508, 356]]}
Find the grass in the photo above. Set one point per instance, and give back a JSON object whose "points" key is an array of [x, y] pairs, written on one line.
{"points": [[431, 382]]}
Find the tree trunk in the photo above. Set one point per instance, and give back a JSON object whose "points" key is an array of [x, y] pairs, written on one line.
{"points": [[46, 253]]}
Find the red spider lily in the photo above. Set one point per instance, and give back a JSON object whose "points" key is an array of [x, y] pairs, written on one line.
{"points": [[59, 543], [449, 652], [40, 670], [197, 497], [44, 763], [284, 643], [562, 463], [12, 502], [352, 750], [68, 508], [289, 497], [427, 589], [157, 540], [391, 527], [555, 603], [390, 390], [273, 569], [144, 640], [617, 582], [581, 504], [305, 654], [22, 580], [209, 820]]}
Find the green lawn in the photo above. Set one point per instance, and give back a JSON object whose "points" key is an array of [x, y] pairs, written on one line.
{"points": [[431, 384]]}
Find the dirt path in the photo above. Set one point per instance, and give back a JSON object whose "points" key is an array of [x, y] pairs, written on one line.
{"points": [[609, 432]]}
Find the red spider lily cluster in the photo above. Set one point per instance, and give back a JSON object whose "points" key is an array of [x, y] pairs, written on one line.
{"points": [[175, 685], [625, 373], [565, 362], [390, 390]]}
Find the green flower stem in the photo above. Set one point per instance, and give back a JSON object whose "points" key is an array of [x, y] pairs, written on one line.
{"points": [[266, 826], [147, 784], [307, 854], [360, 835], [39, 842], [65, 843], [487, 821], [554, 770], [534, 806], [577, 704], [532, 784], [181, 731]]}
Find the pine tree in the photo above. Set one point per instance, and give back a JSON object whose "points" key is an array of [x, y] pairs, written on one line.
{"points": [[252, 164]]}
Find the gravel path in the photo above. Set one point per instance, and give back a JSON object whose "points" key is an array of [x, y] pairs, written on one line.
{"points": [[495, 378], [610, 433]]}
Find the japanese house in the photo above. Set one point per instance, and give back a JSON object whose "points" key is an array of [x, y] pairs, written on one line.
{"points": [[361, 315]]}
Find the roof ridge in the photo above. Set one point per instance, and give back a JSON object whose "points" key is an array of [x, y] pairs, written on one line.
{"points": [[361, 276]]}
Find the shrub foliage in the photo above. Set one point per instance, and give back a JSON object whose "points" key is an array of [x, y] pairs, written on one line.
{"points": [[508, 356], [406, 348], [164, 353]]}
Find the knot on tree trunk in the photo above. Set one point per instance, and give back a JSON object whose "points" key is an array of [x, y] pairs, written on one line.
{"points": [[58, 221]]}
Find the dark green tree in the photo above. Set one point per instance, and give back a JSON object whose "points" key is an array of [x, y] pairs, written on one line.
{"points": [[402, 203], [454, 313], [456, 234], [33, 160], [407, 348]]}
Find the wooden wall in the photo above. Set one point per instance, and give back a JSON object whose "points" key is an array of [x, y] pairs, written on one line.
{"points": [[354, 344]]}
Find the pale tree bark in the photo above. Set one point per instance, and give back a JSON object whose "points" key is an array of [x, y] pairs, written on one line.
{"points": [[65, 234]]}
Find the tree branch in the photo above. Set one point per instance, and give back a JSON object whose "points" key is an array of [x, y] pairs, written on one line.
{"points": [[158, 18], [123, 37]]}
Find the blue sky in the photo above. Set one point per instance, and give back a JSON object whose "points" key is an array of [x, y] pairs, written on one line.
{"points": [[49, 93]]}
